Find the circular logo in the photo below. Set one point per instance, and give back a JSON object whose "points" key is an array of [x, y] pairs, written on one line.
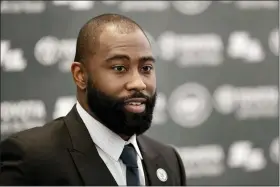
{"points": [[274, 150], [191, 7], [274, 41], [190, 105], [46, 50], [162, 175], [224, 99]]}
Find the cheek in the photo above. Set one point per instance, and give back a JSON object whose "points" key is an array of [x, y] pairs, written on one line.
{"points": [[108, 83], [150, 84]]}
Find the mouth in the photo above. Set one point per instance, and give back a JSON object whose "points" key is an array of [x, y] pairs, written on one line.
{"points": [[135, 105]]}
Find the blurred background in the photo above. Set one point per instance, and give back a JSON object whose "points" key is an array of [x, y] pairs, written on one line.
{"points": [[217, 74]]}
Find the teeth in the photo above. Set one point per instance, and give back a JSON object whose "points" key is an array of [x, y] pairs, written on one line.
{"points": [[134, 103]]}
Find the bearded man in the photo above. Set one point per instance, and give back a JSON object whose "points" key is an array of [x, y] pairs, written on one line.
{"points": [[100, 142]]}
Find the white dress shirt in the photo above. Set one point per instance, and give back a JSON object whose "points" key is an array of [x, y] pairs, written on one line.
{"points": [[110, 146]]}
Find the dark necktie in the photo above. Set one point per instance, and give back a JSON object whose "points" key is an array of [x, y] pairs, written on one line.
{"points": [[129, 158]]}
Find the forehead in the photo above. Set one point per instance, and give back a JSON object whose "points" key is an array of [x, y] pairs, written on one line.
{"points": [[133, 42]]}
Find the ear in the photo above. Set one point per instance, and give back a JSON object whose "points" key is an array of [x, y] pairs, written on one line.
{"points": [[79, 75]]}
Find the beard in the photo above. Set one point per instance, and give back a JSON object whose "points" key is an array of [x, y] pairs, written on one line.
{"points": [[111, 112]]}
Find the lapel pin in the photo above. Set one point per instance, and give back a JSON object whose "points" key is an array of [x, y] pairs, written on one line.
{"points": [[161, 174]]}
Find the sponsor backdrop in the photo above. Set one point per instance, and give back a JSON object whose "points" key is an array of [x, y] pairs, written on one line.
{"points": [[217, 72]]}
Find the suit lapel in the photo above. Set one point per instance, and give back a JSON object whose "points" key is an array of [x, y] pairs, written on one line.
{"points": [[152, 161], [91, 167]]}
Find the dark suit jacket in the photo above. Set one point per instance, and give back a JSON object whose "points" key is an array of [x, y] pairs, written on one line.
{"points": [[62, 153]]}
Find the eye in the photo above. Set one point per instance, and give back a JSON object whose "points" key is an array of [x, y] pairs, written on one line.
{"points": [[119, 68], [147, 69]]}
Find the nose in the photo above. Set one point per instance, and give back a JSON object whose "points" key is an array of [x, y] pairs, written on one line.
{"points": [[135, 83]]}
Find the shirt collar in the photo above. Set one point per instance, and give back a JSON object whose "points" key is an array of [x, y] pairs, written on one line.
{"points": [[133, 141], [108, 141]]}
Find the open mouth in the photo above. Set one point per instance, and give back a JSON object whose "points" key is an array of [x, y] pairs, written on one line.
{"points": [[135, 105]]}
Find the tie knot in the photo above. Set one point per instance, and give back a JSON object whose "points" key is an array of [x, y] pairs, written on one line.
{"points": [[129, 156]]}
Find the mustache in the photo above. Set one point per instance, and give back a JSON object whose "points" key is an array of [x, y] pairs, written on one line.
{"points": [[136, 95]]}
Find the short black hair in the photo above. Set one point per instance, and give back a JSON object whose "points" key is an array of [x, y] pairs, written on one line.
{"points": [[92, 29]]}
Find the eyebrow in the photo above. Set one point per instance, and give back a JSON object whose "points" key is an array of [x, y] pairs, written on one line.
{"points": [[125, 57], [147, 58], [117, 57]]}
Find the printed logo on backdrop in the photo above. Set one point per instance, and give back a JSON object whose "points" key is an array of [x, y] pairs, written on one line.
{"points": [[75, 5], [20, 115], [159, 115], [189, 50], [190, 105], [63, 105], [274, 150], [191, 7], [224, 97], [203, 160], [17, 7], [273, 41], [12, 60], [243, 155], [247, 102], [50, 50], [242, 46]]}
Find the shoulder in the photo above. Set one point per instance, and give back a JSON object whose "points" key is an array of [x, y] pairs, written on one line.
{"points": [[36, 139], [164, 150], [167, 153], [36, 154], [155, 144]]}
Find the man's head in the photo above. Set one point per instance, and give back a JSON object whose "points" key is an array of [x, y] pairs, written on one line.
{"points": [[114, 72]]}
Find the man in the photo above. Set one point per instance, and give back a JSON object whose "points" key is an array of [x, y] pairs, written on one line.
{"points": [[100, 141]]}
